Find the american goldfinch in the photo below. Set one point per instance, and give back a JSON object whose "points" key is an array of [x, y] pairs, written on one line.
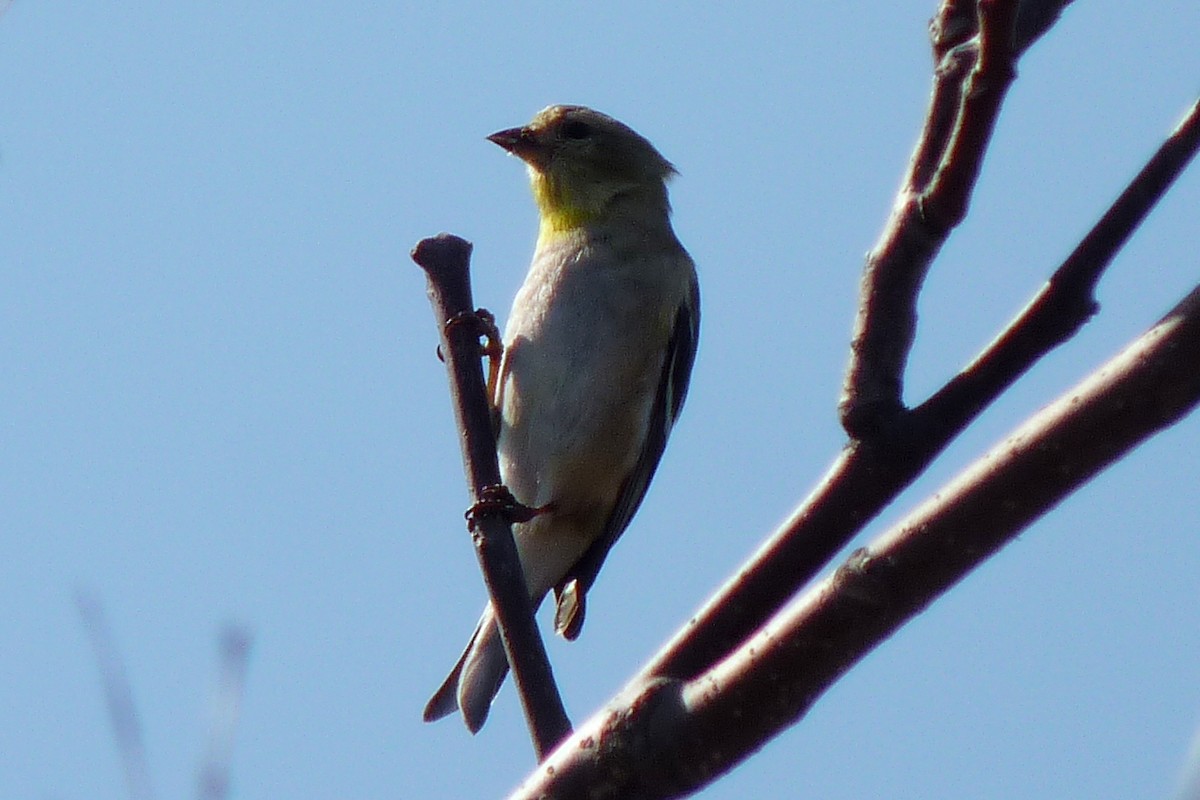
{"points": [[598, 350]]}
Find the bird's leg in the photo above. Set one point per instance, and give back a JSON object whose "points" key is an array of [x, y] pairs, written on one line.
{"points": [[498, 499], [493, 348]]}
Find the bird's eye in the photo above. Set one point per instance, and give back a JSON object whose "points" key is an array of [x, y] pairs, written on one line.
{"points": [[574, 129]]}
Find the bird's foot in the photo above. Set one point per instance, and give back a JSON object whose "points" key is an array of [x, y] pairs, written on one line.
{"points": [[483, 324], [497, 499]]}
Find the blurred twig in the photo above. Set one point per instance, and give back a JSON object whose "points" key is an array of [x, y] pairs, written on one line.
{"points": [[226, 705], [127, 730], [118, 694]]}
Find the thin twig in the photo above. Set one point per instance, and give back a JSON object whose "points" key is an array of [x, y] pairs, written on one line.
{"points": [[445, 260], [1067, 300]]}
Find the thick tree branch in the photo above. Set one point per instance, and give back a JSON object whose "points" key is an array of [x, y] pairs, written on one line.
{"points": [[682, 735], [446, 259]]}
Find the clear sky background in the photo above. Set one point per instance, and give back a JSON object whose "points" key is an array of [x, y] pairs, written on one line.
{"points": [[220, 401]]}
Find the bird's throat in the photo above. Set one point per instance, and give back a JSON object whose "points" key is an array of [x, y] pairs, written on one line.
{"points": [[559, 210]]}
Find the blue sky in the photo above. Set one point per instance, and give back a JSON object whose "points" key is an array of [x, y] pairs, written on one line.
{"points": [[220, 400]]}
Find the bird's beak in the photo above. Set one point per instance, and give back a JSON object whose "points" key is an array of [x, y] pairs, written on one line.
{"points": [[522, 143], [510, 138]]}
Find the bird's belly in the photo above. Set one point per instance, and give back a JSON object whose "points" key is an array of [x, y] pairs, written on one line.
{"points": [[574, 413]]}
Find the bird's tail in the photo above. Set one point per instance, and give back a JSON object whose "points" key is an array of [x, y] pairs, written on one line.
{"points": [[475, 679]]}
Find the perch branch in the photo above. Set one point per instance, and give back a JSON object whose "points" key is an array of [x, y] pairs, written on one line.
{"points": [[445, 260]]}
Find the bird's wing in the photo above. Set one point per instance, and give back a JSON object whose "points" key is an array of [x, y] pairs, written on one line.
{"points": [[571, 592]]}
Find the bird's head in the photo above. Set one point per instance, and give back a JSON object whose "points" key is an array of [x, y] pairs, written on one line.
{"points": [[584, 165]]}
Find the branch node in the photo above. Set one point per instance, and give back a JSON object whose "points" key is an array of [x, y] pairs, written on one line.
{"points": [[878, 420]]}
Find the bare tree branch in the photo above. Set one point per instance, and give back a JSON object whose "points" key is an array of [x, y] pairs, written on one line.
{"points": [[869, 474], [445, 259], [682, 735], [969, 87], [872, 469], [127, 729], [956, 21], [1067, 300]]}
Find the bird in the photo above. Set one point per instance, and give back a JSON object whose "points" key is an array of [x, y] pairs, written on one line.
{"points": [[598, 352]]}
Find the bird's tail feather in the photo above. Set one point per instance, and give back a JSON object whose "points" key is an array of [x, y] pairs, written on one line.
{"points": [[475, 679]]}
